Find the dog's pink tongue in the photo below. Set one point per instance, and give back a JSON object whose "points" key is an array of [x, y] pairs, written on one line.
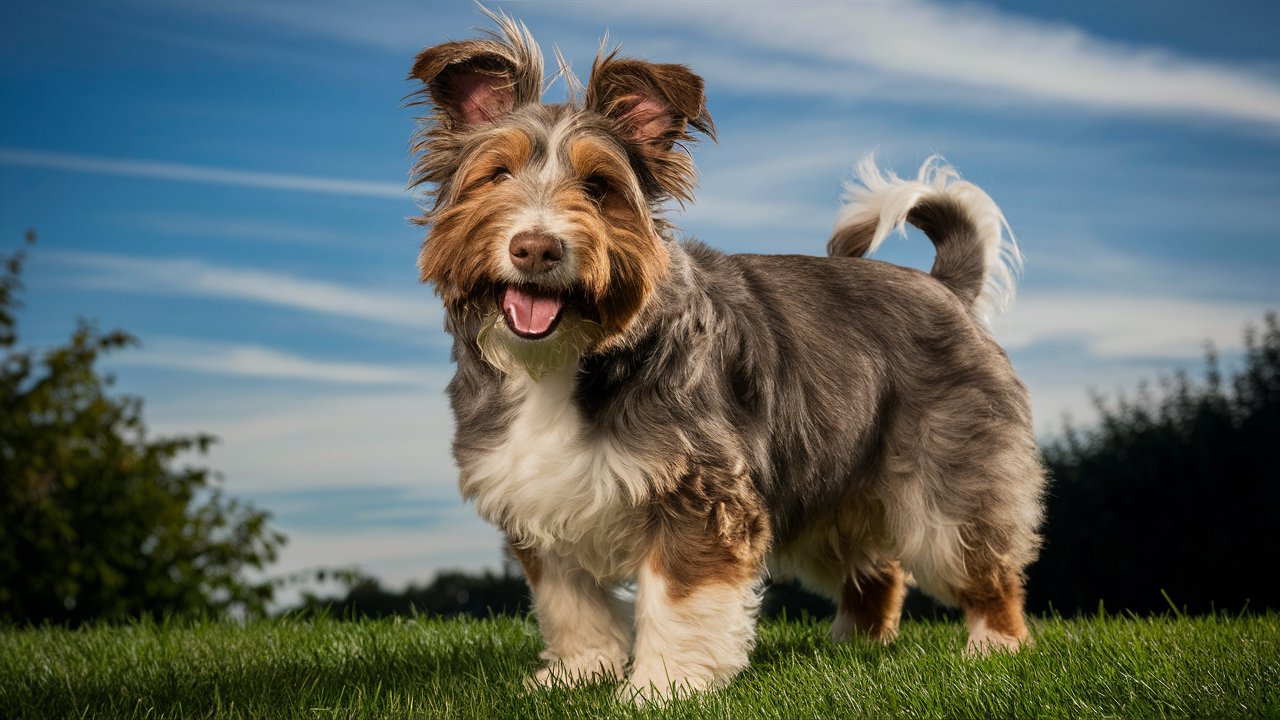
{"points": [[529, 313]]}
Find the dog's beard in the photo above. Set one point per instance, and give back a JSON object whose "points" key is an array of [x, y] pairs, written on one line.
{"points": [[513, 354]]}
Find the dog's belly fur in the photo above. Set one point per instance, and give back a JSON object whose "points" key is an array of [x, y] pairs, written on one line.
{"points": [[874, 421]]}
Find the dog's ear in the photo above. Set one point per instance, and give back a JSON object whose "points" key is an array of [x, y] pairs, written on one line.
{"points": [[655, 108], [479, 81]]}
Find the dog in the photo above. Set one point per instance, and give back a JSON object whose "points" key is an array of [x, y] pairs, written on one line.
{"points": [[633, 407]]}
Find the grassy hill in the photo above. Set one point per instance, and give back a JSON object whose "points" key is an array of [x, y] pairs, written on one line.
{"points": [[1098, 667]]}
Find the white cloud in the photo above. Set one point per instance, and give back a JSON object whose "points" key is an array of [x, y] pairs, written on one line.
{"points": [[202, 279], [292, 441], [391, 26], [199, 173], [282, 441], [761, 186], [961, 52], [973, 46], [262, 362], [400, 556], [396, 556], [1061, 389], [296, 441], [1078, 258], [1114, 325], [287, 439], [212, 226]]}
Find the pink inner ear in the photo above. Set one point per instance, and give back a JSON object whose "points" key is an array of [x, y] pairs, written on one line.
{"points": [[648, 119], [480, 98]]}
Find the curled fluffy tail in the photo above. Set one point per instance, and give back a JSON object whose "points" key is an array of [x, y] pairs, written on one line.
{"points": [[977, 256]]}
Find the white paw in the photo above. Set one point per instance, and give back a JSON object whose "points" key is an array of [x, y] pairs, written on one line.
{"points": [[577, 670], [842, 628], [988, 643], [657, 688], [985, 640]]}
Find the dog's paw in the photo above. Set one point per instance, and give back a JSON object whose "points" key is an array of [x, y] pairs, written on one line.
{"points": [[655, 689], [577, 670], [843, 630], [981, 645]]}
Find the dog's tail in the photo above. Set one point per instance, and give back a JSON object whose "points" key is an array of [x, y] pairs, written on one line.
{"points": [[977, 256]]}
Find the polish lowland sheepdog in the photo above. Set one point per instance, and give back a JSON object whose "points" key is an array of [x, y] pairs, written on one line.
{"points": [[631, 407]]}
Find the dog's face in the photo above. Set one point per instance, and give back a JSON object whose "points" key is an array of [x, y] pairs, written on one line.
{"points": [[542, 227]]}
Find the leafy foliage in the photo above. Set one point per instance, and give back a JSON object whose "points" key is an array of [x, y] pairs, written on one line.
{"points": [[96, 522], [450, 594], [1173, 493]]}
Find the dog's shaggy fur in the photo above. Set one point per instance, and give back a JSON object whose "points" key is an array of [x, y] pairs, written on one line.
{"points": [[631, 407]]}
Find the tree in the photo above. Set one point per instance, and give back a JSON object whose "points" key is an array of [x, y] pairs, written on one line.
{"points": [[96, 520], [450, 594], [1174, 493]]}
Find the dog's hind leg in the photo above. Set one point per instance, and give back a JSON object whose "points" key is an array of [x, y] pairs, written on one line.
{"points": [[870, 603], [583, 625], [992, 604]]}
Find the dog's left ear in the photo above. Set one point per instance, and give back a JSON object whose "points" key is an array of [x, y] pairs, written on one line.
{"points": [[475, 82], [655, 108]]}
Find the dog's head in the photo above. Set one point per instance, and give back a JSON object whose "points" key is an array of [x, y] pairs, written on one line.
{"points": [[542, 220]]}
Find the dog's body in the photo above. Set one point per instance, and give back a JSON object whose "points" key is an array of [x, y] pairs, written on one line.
{"points": [[633, 408]]}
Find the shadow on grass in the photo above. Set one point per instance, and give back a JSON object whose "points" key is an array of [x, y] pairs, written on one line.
{"points": [[804, 641], [287, 667]]}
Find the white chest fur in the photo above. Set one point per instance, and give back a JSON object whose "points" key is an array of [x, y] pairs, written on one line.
{"points": [[553, 487]]}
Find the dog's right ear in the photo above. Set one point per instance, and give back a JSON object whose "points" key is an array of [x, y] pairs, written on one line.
{"points": [[656, 109], [479, 81]]}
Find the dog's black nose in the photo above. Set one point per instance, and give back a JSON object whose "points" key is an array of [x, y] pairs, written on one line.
{"points": [[536, 252]]}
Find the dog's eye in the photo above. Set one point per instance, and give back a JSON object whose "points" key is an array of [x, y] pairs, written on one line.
{"points": [[500, 175], [596, 187]]}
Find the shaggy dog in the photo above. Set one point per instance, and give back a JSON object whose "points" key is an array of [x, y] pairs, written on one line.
{"points": [[630, 407]]}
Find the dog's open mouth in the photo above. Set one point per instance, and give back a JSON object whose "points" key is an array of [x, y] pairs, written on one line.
{"points": [[531, 312], [536, 330]]}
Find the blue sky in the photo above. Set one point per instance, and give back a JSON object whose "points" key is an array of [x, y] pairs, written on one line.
{"points": [[225, 180]]}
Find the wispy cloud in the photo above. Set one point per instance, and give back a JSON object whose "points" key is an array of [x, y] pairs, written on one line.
{"points": [[396, 556], [261, 362], [1114, 325], [861, 49], [223, 228], [1064, 390], [976, 47], [202, 279], [290, 437], [1063, 258], [16, 157]]}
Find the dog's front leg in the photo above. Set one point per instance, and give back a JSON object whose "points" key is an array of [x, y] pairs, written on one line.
{"points": [[584, 631], [698, 592]]}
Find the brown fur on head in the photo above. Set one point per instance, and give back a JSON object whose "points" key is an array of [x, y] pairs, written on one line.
{"points": [[655, 106], [589, 176], [470, 84]]}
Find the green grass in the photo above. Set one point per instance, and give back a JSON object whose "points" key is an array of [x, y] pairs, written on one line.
{"points": [[1100, 667]]}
